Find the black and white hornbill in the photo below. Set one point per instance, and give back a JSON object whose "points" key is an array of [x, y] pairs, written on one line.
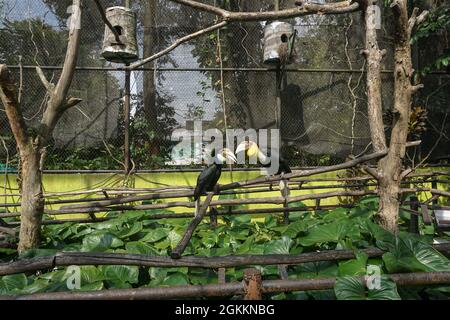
{"points": [[251, 149], [208, 178]]}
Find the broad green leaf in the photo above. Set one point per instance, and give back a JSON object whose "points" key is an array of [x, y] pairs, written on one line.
{"points": [[128, 232], [321, 269], [411, 254], [246, 246], [118, 274], [96, 286], [331, 232], [294, 229], [174, 238], [90, 275], [176, 279], [352, 288], [100, 242], [13, 282], [38, 285], [155, 235], [281, 246], [139, 247], [354, 267]]}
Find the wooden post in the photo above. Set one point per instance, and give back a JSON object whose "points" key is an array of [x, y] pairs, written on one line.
{"points": [[222, 276], [414, 219], [252, 284]]}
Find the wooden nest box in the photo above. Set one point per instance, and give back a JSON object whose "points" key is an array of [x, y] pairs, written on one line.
{"points": [[278, 36], [123, 21]]}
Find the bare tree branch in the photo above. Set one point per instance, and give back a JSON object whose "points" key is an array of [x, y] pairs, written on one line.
{"points": [[228, 16], [305, 9], [48, 85], [12, 108], [177, 43]]}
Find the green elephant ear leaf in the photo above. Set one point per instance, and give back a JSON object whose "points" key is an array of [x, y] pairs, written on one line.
{"points": [[138, 247], [13, 282], [155, 235], [354, 267], [100, 242], [121, 274], [282, 246], [176, 279], [352, 288], [331, 232], [411, 254]]}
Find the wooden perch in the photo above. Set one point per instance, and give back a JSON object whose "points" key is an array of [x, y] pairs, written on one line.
{"points": [[178, 251], [63, 259], [229, 289]]}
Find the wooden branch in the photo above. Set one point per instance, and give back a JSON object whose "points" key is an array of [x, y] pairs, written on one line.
{"points": [[12, 108], [70, 103], [48, 85], [181, 246], [375, 110], [229, 289], [227, 17], [101, 10], [305, 9], [57, 103], [373, 172], [304, 173], [177, 43], [9, 231], [89, 258]]}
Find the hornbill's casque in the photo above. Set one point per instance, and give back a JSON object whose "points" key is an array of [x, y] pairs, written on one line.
{"points": [[209, 177], [251, 149]]}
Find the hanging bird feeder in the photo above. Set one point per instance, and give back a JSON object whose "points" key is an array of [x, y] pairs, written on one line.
{"points": [[123, 21], [278, 41]]}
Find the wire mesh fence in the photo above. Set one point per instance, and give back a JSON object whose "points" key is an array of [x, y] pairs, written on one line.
{"points": [[219, 79]]}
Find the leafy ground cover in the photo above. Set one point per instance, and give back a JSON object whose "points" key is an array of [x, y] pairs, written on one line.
{"points": [[309, 231]]}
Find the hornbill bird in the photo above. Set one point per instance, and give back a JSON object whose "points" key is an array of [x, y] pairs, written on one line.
{"points": [[251, 149], [208, 178]]}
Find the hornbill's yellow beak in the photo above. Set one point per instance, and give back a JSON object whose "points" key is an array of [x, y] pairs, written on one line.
{"points": [[250, 147]]}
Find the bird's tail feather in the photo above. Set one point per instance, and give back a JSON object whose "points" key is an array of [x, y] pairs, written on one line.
{"points": [[197, 206], [284, 188]]}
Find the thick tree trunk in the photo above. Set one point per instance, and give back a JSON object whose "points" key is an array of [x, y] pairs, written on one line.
{"points": [[390, 168], [150, 34], [31, 146], [32, 199]]}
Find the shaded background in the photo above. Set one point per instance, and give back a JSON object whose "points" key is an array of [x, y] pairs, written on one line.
{"points": [[324, 105]]}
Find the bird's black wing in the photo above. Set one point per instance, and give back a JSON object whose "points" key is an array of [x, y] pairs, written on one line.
{"points": [[284, 167], [206, 180]]}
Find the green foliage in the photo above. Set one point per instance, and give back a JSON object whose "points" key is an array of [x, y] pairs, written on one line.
{"points": [[350, 288], [321, 230]]}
